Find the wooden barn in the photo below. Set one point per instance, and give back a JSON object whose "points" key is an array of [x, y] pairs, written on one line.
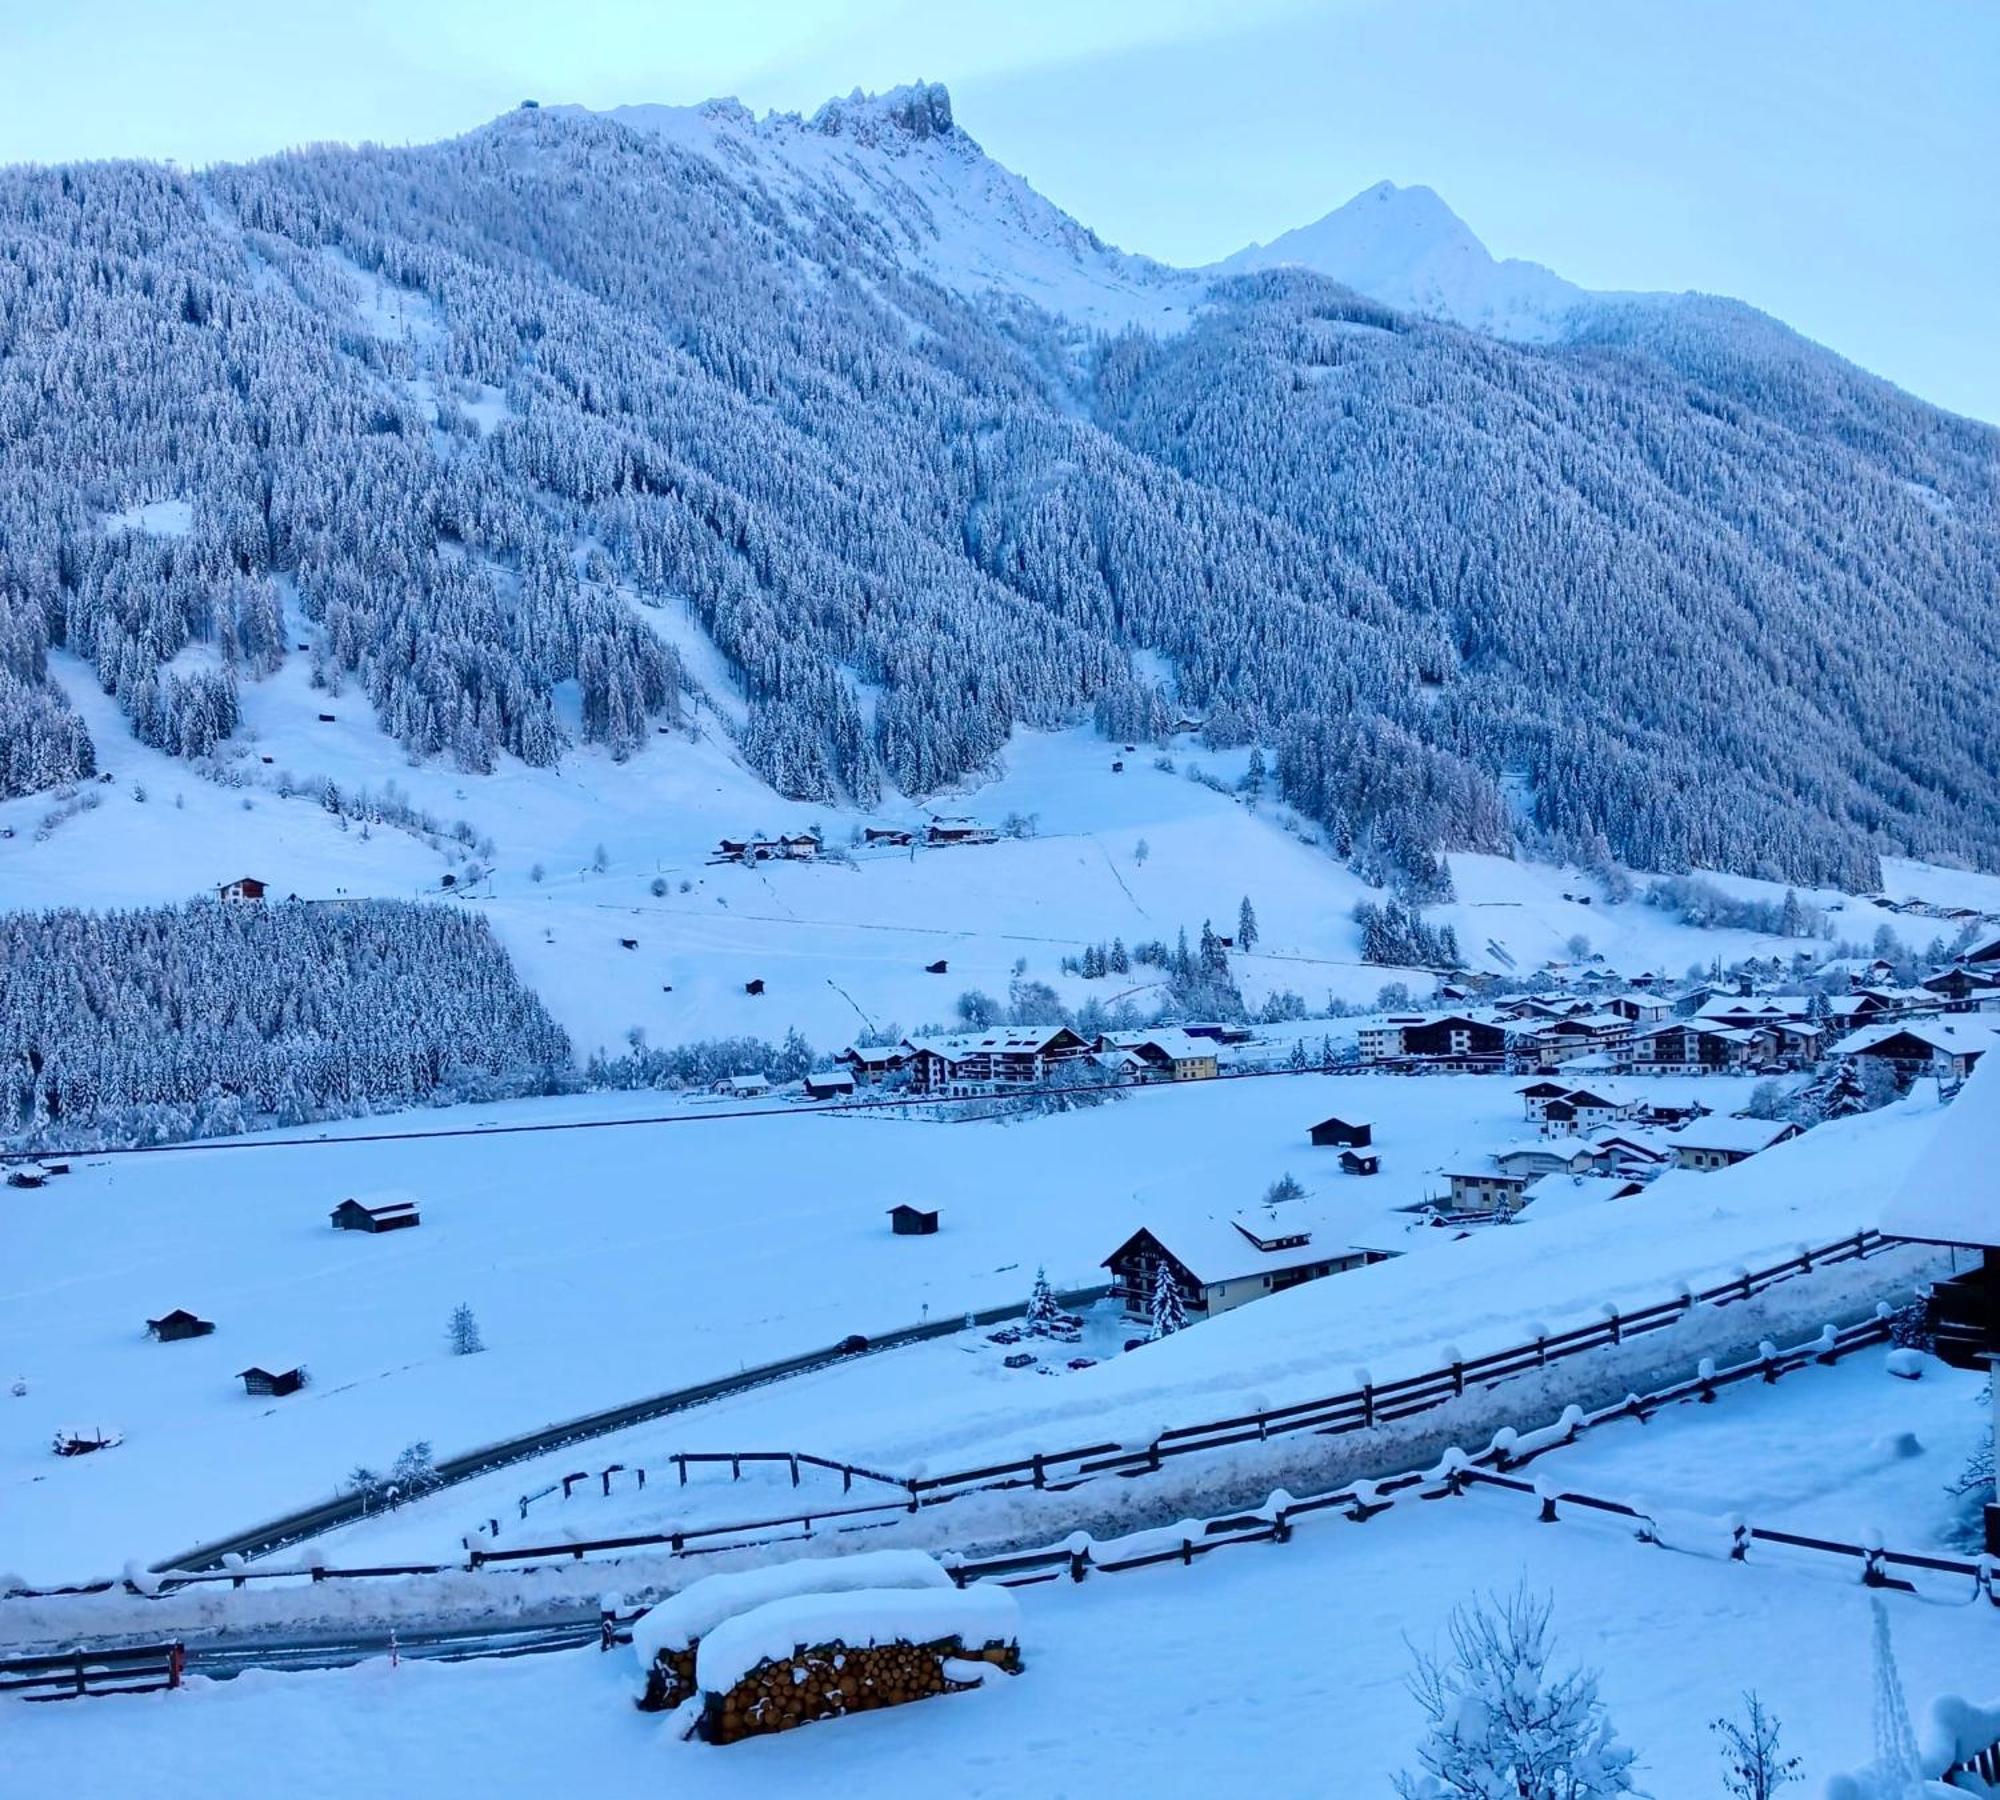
{"points": [[171, 1327], [892, 835], [1350, 1134], [374, 1214], [912, 1221], [1353, 1162], [829, 1087], [274, 1383]]}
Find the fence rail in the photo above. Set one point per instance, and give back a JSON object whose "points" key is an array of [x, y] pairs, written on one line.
{"points": [[73, 1674]]}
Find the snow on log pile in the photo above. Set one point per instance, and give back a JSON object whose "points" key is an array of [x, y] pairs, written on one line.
{"points": [[820, 1656], [667, 1638]]}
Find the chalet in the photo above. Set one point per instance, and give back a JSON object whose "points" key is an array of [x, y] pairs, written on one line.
{"points": [[800, 846], [1455, 1037], [1381, 1039], [1567, 1156], [892, 836], [1122, 1065], [171, 1327], [1722, 1143], [1168, 1053], [275, 1383], [1538, 1096], [1354, 1162], [244, 887], [873, 1064], [1219, 1264], [985, 1061], [742, 1087], [829, 1087], [943, 832], [1593, 1110], [1947, 1048], [1558, 1119], [1553, 1042], [912, 1221], [1486, 1190], [1354, 1134], [1949, 1198], [25, 1178], [376, 1213], [1617, 1150], [1690, 1047], [1963, 988]]}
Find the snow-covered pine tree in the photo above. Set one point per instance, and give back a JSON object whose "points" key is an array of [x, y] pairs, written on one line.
{"points": [[464, 1332], [1166, 1308], [1246, 925], [1501, 1723], [1043, 1312]]}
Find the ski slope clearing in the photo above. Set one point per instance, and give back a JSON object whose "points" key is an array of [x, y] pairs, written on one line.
{"points": [[1300, 1650]]}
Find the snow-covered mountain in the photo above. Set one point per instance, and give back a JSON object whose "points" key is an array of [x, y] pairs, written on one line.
{"points": [[581, 429], [1406, 248], [943, 207]]}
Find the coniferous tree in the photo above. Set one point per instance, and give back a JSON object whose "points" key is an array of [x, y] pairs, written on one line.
{"points": [[1166, 1309]]}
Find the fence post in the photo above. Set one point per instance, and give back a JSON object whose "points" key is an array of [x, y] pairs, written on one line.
{"points": [[1041, 1473], [1548, 1512], [1767, 1354], [1079, 1562], [607, 1629], [681, 1463], [1612, 1319], [176, 1662], [1368, 1406], [1187, 1553], [1739, 1542], [736, 1468], [795, 1468], [1281, 1527], [82, 1681]]}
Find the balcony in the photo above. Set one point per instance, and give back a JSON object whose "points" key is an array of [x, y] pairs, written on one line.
{"points": [[1964, 1319]]}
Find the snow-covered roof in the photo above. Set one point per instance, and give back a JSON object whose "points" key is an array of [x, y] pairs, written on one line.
{"points": [[1952, 1192], [1576, 1189], [1953, 1037], [1215, 1249], [1734, 1134], [1568, 1149], [1019, 1040]]}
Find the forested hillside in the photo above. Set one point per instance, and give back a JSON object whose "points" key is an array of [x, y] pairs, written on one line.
{"points": [[453, 421]]}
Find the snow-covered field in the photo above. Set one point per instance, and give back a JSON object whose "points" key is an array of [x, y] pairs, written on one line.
{"points": [[605, 1265], [1164, 1681]]}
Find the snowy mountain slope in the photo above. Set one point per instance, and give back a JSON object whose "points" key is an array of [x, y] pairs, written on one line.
{"points": [[943, 207], [1406, 248], [552, 436]]}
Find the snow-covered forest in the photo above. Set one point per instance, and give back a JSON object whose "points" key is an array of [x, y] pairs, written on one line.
{"points": [[170, 1022], [454, 421]]}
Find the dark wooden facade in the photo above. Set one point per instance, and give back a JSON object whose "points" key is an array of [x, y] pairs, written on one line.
{"points": [[171, 1327], [1454, 1036], [1352, 1134], [272, 1382], [1353, 1162], [352, 1215], [912, 1221]]}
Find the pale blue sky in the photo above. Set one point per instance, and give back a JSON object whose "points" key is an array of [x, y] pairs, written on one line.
{"points": [[1832, 161]]}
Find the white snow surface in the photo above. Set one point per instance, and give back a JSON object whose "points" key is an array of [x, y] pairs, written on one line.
{"points": [[698, 1609], [1952, 1195], [949, 211], [1255, 1667], [858, 1618]]}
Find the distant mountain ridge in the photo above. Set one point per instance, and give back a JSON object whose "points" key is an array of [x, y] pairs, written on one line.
{"points": [[922, 459]]}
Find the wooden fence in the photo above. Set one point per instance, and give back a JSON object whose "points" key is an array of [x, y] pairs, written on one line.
{"points": [[72, 1674]]}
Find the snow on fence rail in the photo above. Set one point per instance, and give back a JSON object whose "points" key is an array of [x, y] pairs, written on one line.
{"points": [[682, 1460], [1376, 1405], [74, 1674]]}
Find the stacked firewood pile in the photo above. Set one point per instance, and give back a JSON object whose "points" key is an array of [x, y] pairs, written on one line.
{"points": [[829, 1680], [669, 1680]]}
